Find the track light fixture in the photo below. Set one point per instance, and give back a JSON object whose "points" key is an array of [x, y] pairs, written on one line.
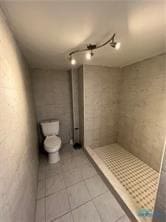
{"points": [[115, 45], [89, 55], [92, 47], [72, 60]]}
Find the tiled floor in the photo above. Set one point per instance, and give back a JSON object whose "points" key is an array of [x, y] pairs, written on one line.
{"points": [[72, 191]]}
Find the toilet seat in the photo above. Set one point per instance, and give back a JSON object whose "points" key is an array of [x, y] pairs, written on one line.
{"points": [[52, 143]]}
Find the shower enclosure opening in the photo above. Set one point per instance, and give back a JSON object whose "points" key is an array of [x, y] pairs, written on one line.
{"points": [[122, 128]]}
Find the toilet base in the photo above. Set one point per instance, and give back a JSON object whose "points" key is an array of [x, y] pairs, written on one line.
{"points": [[53, 157]]}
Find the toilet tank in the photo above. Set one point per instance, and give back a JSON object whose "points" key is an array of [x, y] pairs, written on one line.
{"points": [[50, 127]]}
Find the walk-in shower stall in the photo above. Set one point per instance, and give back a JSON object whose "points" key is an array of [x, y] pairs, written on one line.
{"points": [[122, 127]]}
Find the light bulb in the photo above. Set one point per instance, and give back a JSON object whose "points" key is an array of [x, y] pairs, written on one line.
{"points": [[73, 61], [117, 46], [88, 56]]}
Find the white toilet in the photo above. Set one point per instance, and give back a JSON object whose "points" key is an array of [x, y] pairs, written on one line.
{"points": [[52, 142]]}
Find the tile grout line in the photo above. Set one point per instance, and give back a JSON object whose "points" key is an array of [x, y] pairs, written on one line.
{"points": [[93, 202], [70, 187], [67, 195], [70, 211], [120, 218], [65, 189], [95, 205], [69, 204], [83, 179], [59, 217]]}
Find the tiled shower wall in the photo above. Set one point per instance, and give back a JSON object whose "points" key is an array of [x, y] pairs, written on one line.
{"points": [[18, 157], [127, 106], [101, 99], [142, 122], [52, 92]]}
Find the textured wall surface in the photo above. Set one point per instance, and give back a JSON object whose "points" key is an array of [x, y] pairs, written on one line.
{"points": [[101, 98], [142, 122], [161, 195], [18, 157], [52, 92]]}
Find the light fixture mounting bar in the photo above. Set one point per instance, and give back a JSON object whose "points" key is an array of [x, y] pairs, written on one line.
{"points": [[91, 47]]}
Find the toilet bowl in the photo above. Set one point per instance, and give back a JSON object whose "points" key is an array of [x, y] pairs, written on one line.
{"points": [[52, 142], [52, 145]]}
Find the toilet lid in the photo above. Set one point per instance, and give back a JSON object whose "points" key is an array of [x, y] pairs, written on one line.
{"points": [[52, 142]]}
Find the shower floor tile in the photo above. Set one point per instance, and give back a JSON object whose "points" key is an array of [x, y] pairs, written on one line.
{"points": [[67, 191], [139, 180]]}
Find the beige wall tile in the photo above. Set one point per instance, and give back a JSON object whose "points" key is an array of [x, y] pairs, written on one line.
{"points": [[101, 93], [52, 92], [18, 140], [142, 122]]}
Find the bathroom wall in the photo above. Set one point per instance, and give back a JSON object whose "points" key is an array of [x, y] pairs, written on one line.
{"points": [[160, 206], [142, 122], [18, 157], [101, 99], [52, 92]]}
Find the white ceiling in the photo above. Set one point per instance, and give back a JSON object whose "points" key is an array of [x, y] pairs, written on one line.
{"points": [[48, 30]]}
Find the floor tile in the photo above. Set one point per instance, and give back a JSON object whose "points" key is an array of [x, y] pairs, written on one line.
{"points": [[88, 171], [40, 211], [41, 189], [66, 218], [53, 169], [86, 213], [108, 207], [96, 186], [66, 149], [57, 205], [43, 160], [54, 184], [81, 160], [78, 195], [65, 156], [68, 165], [66, 153], [123, 219], [75, 172], [78, 152], [72, 177], [41, 173]]}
